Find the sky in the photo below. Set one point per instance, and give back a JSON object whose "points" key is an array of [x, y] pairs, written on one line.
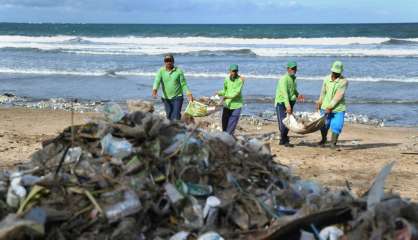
{"points": [[209, 11]]}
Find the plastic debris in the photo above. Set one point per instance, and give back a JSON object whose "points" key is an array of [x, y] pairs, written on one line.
{"points": [[331, 233], [130, 205], [144, 177], [116, 147], [16, 193], [376, 192], [113, 112], [183, 235], [210, 236]]}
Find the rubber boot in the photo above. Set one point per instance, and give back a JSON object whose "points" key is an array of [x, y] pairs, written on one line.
{"points": [[324, 133], [334, 140]]}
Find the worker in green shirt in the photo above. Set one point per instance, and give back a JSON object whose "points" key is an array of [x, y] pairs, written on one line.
{"points": [[286, 96], [232, 95], [332, 103], [173, 85]]}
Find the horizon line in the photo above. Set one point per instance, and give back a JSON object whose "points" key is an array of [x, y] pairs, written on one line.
{"points": [[129, 23]]}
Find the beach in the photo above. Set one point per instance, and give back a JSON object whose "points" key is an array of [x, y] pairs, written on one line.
{"points": [[106, 62], [363, 149]]}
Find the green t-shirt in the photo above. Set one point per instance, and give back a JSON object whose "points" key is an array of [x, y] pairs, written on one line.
{"points": [[232, 93], [286, 90], [329, 91], [173, 82]]}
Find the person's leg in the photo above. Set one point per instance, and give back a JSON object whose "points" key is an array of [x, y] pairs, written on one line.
{"points": [[292, 104], [168, 108], [281, 114], [233, 121], [226, 113], [337, 124], [177, 104], [324, 129]]}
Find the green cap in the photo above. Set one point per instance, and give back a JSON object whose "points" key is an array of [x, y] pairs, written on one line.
{"points": [[233, 67], [292, 64], [337, 67]]}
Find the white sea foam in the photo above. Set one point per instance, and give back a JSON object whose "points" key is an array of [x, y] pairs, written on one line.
{"points": [[198, 40], [104, 72], [349, 46]]}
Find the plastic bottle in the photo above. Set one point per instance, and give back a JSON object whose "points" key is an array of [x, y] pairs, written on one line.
{"points": [[194, 189], [73, 155], [210, 211], [173, 194], [193, 214], [16, 193], [130, 205]]}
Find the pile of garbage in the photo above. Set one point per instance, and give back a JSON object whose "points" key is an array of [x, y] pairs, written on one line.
{"points": [[140, 176], [9, 98], [63, 104]]}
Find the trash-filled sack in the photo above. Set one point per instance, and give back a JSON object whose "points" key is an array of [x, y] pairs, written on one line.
{"points": [[203, 107], [197, 109], [305, 124]]}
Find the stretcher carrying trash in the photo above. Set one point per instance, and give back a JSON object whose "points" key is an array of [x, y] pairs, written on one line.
{"points": [[305, 124]]}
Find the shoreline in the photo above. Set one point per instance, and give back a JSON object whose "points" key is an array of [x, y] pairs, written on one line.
{"points": [[83, 105], [363, 149]]}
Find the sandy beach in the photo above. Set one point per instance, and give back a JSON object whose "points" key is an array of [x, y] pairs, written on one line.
{"points": [[362, 153]]}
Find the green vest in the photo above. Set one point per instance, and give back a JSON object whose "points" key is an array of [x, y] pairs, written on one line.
{"points": [[173, 82], [330, 88], [286, 90], [232, 90]]}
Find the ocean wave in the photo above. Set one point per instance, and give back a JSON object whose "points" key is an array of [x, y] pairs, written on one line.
{"points": [[205, 46], [396, 41], [141, 73], [330, 41], [51, 72], [312, 99], [197, 40], [225, 51], [77, 40]]}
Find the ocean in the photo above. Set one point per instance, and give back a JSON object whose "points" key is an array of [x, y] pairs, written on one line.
{"points": [[115, 62]]}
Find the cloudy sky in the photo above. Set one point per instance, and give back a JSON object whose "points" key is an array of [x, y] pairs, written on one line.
{"points": [[209, 11]]}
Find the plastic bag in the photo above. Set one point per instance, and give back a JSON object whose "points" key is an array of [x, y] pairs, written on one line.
{"points": [[113, 112], [115, 147]]}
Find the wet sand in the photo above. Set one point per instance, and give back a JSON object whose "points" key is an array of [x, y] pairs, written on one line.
{"points": [[363, 149]]}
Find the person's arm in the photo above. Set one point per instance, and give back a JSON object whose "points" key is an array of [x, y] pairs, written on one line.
{"points": [[185, 88], [283, 91], [183, 84], [223, 91], [236, 91], [321, 96], [339, 94], [157, 82]]}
